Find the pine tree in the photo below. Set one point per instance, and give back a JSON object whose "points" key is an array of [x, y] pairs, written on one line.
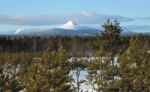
{"points": [[9, 80], [60, 79], [111, 37], [110, 44], [134, 64], [99, 73]]}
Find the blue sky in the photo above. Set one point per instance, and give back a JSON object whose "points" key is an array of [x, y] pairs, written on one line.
{"points": [[16, 14], [128, 8]]}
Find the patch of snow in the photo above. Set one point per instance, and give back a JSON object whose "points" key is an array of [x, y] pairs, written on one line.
{"points": [[19, 30], [68, 25]]}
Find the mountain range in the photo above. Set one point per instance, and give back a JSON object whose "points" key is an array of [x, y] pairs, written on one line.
{"points": [[68, 29]]}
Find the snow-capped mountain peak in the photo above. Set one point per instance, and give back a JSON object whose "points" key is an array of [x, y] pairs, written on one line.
{"points": [[19, 31], [69, 25]]}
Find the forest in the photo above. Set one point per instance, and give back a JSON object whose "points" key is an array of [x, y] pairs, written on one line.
{"points": [[45, 64]]}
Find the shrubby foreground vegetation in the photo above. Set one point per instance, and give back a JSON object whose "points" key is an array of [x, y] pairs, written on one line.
{"points": [[40, 64]]}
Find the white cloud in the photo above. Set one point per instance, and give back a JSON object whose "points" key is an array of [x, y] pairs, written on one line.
{"points": [[87, 14], [81, 18]]}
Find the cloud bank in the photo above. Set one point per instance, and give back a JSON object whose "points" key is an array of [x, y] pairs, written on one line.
{"points": [[81, 18]]}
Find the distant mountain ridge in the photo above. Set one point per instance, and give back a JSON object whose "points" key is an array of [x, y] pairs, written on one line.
{"points": [[69, 29]]}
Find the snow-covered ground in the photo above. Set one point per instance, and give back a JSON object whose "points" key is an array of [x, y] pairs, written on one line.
{"points": [[91, 59], [84, 87]]}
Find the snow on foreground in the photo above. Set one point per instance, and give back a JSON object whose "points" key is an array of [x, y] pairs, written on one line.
{"points": [[84, 87], [9, 70]]}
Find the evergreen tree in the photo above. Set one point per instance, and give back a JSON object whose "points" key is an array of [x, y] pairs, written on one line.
{"points": [[9, 80], [60, 78], [99, 73], [110, 43], [134, 64]]}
